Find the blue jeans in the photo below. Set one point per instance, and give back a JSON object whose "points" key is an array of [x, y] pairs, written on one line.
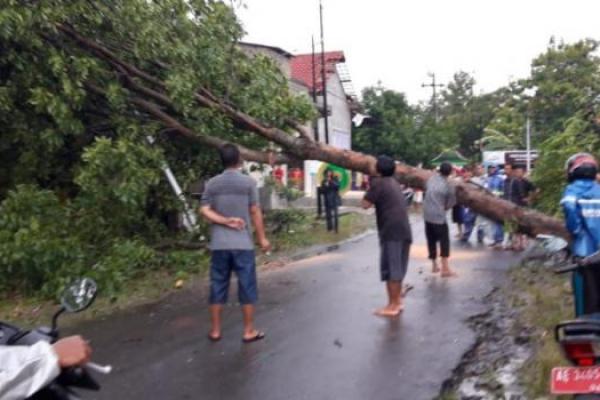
{"points": [[469, 219], [498, 233], [223, 263]]}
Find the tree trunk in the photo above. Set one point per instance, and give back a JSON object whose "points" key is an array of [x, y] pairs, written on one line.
{"points": [[156, 103], [480, 200]]}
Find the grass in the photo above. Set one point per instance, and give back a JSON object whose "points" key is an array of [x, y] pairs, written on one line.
{"points": [[152, 285], [544, 299], [314, 232]]}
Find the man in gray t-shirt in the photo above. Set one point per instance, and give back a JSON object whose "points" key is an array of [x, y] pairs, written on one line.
{"points": [[230, 204], [440, 196]]}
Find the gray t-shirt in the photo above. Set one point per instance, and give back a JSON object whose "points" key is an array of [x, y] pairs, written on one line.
{"points": [[231, 194], [439, 198]]}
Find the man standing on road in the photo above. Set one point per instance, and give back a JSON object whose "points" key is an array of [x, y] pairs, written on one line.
{"points": [[439, 198], [229, 202], [331, 193], [495, 184], [522, 193], [472, 220], [395, 235], [581, 207]]}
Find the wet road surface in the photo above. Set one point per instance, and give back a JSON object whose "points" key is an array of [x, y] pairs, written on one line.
{"points": [[322, 340]]}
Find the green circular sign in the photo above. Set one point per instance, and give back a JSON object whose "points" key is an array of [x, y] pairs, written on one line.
{"points": [[343, 175]]}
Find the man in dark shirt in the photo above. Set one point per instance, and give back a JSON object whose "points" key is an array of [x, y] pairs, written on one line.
{"points": [[395, 235], [522, 192]]}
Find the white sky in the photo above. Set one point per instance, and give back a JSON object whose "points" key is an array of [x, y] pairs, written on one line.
{"points": [[400, 41]]}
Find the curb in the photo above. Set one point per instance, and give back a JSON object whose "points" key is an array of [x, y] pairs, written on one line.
{"points": [[318, 250]]}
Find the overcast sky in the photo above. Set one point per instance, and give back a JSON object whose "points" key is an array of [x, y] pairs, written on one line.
{"points": [[400, 41]]}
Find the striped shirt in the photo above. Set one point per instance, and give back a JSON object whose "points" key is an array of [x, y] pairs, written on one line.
{"points": [[440, 196]]}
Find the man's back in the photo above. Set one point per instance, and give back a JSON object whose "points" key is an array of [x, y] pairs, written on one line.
{"points": [[581, 206], [231, 193], [439, 197], [390, 208]]}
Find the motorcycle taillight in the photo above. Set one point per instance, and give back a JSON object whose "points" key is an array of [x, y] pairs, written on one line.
{"points": [[583, 354]]}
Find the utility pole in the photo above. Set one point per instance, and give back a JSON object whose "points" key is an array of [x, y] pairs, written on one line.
{"points": [[434, 86], [324, 76], [528, 144], [314, 87]]}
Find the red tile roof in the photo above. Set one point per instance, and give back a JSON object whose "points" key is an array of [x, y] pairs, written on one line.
{"points": [[302, 67]]}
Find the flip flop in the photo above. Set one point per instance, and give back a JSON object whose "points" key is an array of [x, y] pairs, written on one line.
{"points": [[256, 338], [213, 338]]}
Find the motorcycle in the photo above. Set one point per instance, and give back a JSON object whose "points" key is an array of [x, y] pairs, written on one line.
{"points": [[76, 298], [579, 340]]}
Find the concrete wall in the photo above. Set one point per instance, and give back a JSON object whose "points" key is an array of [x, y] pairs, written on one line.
{"points": [[282, 61]]}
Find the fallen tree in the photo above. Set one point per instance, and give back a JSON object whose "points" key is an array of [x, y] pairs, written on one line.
{"points": [[135, 73]]}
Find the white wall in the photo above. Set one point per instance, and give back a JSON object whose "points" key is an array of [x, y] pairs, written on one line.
{"points": [[340, 120], [340, 129]]}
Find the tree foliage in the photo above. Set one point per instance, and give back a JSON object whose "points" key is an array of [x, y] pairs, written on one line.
{"points": [[80, 181]]}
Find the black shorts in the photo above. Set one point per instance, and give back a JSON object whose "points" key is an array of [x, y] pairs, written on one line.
{"points": [[437, 233], [394, 260], [458, 215]]}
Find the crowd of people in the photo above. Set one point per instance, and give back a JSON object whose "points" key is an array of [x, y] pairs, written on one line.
{"points": [[437, 202]]}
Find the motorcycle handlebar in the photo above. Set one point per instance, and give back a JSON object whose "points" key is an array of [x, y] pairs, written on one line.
{"points": [[102, 369], [591, 260]]}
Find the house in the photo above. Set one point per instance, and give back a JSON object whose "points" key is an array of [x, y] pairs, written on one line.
{"points": [[305, 78], [341, 104]]}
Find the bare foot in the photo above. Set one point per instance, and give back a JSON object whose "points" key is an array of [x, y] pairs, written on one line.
{"points": [[389, 311], [435, 269], [449, 274]]}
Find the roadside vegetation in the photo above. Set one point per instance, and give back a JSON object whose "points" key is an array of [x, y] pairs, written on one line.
{"points": [[543, 299], [289, 230]]}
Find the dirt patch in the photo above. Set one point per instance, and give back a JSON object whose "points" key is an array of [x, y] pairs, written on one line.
{"points": [[515, 349], [489, 370]]}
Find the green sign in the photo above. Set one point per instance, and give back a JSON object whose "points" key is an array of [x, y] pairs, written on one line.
{"points": [[343, 175]]}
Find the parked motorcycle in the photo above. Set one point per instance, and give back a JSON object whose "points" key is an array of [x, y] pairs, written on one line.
{"points": [[76, 298], [580, 342]]}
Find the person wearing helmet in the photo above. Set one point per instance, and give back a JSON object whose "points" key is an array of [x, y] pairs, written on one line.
{"points": [[581, 206]]}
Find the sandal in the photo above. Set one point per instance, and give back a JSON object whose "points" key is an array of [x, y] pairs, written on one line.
{"points": [[255, 338], [213, 339]]}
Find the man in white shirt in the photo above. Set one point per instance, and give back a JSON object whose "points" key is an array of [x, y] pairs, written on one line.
{"points": [[25, 370]]}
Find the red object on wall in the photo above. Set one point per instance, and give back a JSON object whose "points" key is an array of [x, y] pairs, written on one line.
{"points": [[296, 177], [278, 174]]}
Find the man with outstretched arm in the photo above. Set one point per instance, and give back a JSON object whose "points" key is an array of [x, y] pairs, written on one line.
{"points": [[395, 236], [230, 202]]}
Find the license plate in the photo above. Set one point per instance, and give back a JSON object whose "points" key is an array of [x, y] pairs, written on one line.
{"points": [[575, 380]]}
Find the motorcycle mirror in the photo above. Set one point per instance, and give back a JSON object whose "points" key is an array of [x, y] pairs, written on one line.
{"points": [[79, 295]]}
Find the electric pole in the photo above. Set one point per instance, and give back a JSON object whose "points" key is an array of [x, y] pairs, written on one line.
{"points": [[324, 76], [433, 85]]}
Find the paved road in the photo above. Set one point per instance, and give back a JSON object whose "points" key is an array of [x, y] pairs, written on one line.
{"points": [[323, 342]]}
